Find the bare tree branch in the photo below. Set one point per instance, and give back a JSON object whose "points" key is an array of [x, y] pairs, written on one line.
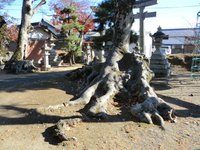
{"points": [[42, 2]]}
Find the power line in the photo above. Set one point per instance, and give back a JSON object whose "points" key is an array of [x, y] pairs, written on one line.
{"points": [[175, 7]]}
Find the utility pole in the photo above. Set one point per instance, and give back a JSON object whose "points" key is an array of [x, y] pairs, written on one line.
{"points": [[141, 4]]}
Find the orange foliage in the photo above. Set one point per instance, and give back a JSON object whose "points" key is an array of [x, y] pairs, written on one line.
{"points": [[12, 33], [84, 16]]}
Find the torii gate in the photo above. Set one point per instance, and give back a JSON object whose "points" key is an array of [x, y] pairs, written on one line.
{"points": [[141, 4]]}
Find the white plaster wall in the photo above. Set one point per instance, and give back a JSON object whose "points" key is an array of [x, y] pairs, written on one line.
{"points": [[39, 34]]}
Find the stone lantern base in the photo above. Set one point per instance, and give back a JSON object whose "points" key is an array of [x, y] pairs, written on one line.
{"points": [[43, 68], [160, 65]]}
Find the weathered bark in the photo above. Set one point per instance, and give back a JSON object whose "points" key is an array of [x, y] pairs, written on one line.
{"points": [[72, 59], [109, 81], [123, 76], [20, 54], [64, 125], [25, 27], [23, 66]]}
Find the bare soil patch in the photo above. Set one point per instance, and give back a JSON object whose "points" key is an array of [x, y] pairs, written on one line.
{"points": [[26, 124]]}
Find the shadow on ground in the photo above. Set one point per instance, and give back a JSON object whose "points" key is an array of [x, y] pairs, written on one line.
{"points": [[160, 84], [33, 81], [32, 116], [28, 116], [57, 80], [190, 109]]}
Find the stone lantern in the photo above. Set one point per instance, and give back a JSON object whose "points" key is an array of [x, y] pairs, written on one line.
{"points": [[158, 62], [158, 37], [47, 48]]}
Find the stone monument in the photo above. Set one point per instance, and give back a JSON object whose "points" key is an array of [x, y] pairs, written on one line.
{"points": [[158, 62]]}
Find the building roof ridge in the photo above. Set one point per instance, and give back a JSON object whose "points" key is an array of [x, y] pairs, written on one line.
{"points": [[172, 29]]}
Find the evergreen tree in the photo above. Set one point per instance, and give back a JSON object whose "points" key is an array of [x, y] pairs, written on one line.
{"points": [[104, 18], [69, 31]]}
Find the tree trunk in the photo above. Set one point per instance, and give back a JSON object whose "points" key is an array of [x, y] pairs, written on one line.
{"points": [[25, 27], [23, 32], [70, 60], [123, 76], [73, 59]]}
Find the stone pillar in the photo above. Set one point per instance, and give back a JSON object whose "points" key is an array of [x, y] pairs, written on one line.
{"points": [[102, 58], [158, 62], [46, 66], [89, 54]]}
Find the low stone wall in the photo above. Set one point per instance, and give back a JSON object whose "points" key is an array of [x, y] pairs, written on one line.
{"points": [[183, 60]]}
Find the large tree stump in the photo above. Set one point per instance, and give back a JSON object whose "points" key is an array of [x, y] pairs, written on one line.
{"points": [[128, 81], [123, 76], [128, 78]]}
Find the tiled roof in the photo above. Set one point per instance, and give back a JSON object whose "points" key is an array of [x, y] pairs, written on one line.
{"points": [[180, 32], [53, 29], [179, 35]]}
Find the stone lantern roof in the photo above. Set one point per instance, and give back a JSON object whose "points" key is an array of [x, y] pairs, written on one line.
{"points": [[160, 34]]}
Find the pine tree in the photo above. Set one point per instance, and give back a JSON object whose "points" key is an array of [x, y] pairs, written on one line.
{"points": [[104, 18], [70, 28]]}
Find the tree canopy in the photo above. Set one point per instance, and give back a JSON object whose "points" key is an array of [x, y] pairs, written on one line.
{"points": [[70, 28], [104, 18], [8, 33], [80, 8], [75, 20]]}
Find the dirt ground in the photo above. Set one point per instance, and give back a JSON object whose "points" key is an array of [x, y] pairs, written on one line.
{"points": [[26, 124]]}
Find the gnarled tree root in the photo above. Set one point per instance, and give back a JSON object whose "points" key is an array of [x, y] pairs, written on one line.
{"points": [[21, 66], [153, 110], [128, 75], [65, 125]]}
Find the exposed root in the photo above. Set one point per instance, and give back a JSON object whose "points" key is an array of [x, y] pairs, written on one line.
{"points": [[167, 112], [153, 110], [149, 108], [85, 97], [65, 125], [99, 106], [23, 66], [129, 76], [52, 107], [123, 74]]}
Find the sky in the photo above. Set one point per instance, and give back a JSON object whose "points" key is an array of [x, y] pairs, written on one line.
{"points": [[170, 14]]}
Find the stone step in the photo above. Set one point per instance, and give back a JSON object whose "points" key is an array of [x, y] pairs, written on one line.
{"points": [[159, 68], [159, 65], [158, 58], [163, 71], [155, 62]]}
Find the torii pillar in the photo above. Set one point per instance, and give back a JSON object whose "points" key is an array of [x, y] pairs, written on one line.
{"points": [[142, 15]]}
